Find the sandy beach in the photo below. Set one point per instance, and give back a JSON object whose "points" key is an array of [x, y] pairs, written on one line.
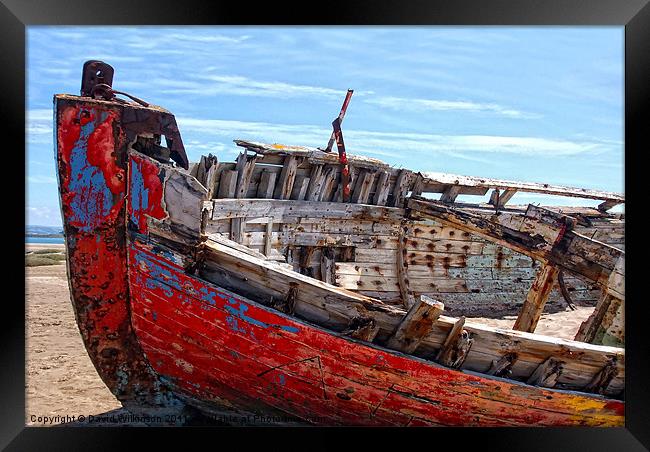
{"points": [[61, 380]]}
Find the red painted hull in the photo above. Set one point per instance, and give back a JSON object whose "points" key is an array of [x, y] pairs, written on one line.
{"points": [[191, 341]]}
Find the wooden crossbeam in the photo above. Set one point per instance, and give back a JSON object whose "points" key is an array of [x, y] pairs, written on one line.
{"points": [[536, 298], [416, 325]]}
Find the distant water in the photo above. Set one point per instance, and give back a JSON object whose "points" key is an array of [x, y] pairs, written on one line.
{"points": [[44, 240]]}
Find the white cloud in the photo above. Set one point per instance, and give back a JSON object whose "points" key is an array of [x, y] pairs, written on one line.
{"points": [[406, 104], [244, 86], [41, 179], [394, 144]]}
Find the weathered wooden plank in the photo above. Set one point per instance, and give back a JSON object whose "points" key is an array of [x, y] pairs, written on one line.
{"points": [[237, 226], [450, 193], [531, 187], [316, 181], [327, 265], [536, 299], [547, 373], [401, 187], [228, 184], [383, 189], [300, 188], [362, 187], [267, 185], [417, 324], [267, 237], [543, 235], [454, 350], [362, 328], [402, 267], [254, 208], [211, 178], [499, 199], [287, 178], [329, 184], [245, 167]]}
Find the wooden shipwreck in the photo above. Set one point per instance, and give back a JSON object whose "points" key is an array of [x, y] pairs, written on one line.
{"points": [[298, 285]]}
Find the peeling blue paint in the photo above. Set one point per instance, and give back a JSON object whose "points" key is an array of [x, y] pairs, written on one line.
{"points": [[161, 277], [139, 193], [92, 200], [240, 313]]}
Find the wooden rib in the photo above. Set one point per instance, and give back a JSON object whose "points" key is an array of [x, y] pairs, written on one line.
{"points": [[498, 199], [454, 350], [316, 180], [327, 265], [547, 373], [267, 237], [418, 185], [603, 378], [450, 193], [402, 267], [245, 167], [228, 184], [401, 188], [536, 299], [211, 180], [266, 186], [588, 328], [287, 178], [362, 328], [300, 188], [237, 226], [416, 325], [503, 366], [383, 189], [362, 187]]}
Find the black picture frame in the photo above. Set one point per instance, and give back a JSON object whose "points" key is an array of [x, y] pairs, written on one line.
{"points": [[634, 15]]}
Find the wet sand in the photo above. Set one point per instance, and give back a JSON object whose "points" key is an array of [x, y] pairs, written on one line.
{"points": [[62, 381]]}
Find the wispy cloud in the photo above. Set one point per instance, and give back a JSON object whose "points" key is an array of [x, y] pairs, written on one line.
{"points": [[395, 144], [423, 105], [210, 85]]}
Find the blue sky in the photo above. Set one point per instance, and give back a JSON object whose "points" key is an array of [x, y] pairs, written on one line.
{"points": [[538, 104]]}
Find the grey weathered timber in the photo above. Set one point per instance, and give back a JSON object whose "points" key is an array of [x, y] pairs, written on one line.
{"points": [[266, 186], [362, 187], [536, 298], [547, 373], [401, 266], [228, 184], [383, 189], [456, 346], [401, 187], [244, 168], [450, 193], [417, 324], [287, 178], [499, 199]]}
